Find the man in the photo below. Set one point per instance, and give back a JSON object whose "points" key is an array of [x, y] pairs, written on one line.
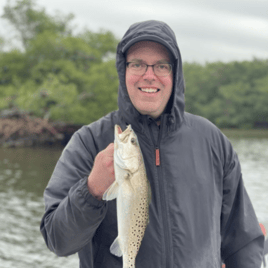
{"points": [[200, 213]]}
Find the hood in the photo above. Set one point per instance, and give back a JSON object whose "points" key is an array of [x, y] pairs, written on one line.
{"points": [[159, 32]]}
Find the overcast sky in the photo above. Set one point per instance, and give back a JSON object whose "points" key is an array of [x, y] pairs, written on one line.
{"points": [[206, 31]]}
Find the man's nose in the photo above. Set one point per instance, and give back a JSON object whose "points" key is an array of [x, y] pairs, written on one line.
{"points": [[149, 74]]}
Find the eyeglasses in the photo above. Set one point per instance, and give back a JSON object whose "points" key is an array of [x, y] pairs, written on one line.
{"points": [[160, 69]]}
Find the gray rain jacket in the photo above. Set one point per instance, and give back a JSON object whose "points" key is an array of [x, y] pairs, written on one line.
{"points": [[200, 213]]}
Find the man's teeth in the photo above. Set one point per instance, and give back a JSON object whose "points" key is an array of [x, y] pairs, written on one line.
{"points": [[149, 90]]}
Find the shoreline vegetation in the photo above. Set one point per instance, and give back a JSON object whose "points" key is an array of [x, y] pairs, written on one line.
{"points": [[20, 129], [257, 133]]}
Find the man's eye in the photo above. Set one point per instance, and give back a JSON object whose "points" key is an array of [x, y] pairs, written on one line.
{"points": [[162, 66], [135, 65]]}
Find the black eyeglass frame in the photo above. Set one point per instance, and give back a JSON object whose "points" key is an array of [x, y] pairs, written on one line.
{"points": [[147, 65]]}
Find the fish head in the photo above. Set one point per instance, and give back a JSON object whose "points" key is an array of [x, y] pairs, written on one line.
{"points": [[127, 153]]}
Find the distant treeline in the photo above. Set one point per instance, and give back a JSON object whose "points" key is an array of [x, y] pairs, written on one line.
{"points": [[231, 95], [72, 77]]}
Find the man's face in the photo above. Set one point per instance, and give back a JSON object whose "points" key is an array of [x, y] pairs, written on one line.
{"points": [[152, 104]]}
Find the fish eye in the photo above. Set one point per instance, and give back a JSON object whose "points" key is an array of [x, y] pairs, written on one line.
{"points": [[133, 141]]}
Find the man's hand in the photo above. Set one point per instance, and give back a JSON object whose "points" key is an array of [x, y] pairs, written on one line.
{"points": [[102, 173]]}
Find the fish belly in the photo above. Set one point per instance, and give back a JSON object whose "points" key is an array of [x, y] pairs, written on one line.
{"points": [[133, 217]]}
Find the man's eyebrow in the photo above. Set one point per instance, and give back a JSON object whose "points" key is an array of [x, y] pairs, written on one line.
{"points": [[163, 61], [137, 60]]}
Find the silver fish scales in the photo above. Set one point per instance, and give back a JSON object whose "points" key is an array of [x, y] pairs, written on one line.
{"points": [[133, 193]]}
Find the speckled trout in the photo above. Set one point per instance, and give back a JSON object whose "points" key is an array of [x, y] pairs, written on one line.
{"points": [[133, 194]]}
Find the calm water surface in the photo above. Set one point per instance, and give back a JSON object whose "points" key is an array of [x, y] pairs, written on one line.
{"points": [[24, 173]]}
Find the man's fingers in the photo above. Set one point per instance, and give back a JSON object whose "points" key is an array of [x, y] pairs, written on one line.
{"points": [[110, 147]]}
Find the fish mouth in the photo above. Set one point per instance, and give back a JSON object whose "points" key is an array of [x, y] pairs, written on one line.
{"points": [[118, 146], [117, 132]]}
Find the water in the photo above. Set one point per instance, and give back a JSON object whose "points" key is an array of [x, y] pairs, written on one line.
{"points": [[253, 156], [24, 173]]}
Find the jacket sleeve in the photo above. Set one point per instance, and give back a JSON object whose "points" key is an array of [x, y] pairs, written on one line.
{"points": [[72, 214], [242, 239]]}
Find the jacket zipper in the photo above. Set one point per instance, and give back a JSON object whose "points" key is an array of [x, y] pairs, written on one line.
{"points": [[162, 193]]}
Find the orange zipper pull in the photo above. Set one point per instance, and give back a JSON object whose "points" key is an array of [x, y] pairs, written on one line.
{"points": [[157, 157]]}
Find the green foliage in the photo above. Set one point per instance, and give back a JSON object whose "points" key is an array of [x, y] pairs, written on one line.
{"points": [[233, 94], [30, 21], [73, 78], [49, 46], [101, 42], [58, 76], [102, 94], [2, 43], [12, 67], [52, 98]]}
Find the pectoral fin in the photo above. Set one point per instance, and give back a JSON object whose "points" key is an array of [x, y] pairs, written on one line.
{"points": [[112, 192], [115, 248]]}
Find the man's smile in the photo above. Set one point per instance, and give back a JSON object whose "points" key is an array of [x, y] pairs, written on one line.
{"points": [[149, 89]]}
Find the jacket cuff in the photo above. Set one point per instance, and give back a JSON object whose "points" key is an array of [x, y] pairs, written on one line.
{"points": [[89, 198]]}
